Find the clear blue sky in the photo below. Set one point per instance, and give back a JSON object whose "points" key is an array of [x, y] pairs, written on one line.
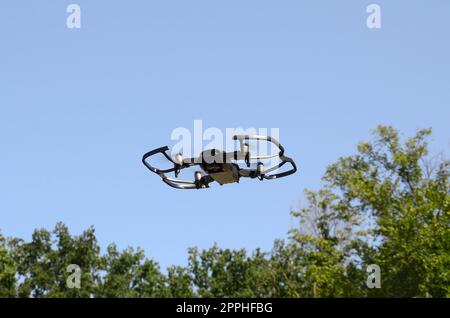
{"points": [[78, 108]]}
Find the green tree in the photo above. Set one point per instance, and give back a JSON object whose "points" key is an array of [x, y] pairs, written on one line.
{"points": [[8, 269], [129, 274], [389, 204], [220, 272], [43, 262]]}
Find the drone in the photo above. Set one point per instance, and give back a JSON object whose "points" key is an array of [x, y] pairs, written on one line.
{"points": [[221, 167]]}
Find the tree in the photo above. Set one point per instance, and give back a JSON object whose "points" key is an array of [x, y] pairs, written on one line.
{"points": [[8, 268], [220, 272], [42, 263], [389, 204], [129, 274]]}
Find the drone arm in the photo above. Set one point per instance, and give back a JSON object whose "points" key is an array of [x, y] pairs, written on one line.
{"points": [[246, 172]]}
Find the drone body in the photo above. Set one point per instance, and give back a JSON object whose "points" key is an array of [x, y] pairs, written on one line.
{"points": [[219, 166], [221, 171]]}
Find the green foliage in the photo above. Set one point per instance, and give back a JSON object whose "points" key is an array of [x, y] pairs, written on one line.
{"points": [[407, 198], [389, 204], [8, 268], [227, 273], [129, 274], [42, 263]]}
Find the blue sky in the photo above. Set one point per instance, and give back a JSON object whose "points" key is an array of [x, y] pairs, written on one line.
{"points": [[78, 108]]}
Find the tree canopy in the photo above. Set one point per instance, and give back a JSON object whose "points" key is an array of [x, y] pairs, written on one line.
{"points": [[388, 204]]}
